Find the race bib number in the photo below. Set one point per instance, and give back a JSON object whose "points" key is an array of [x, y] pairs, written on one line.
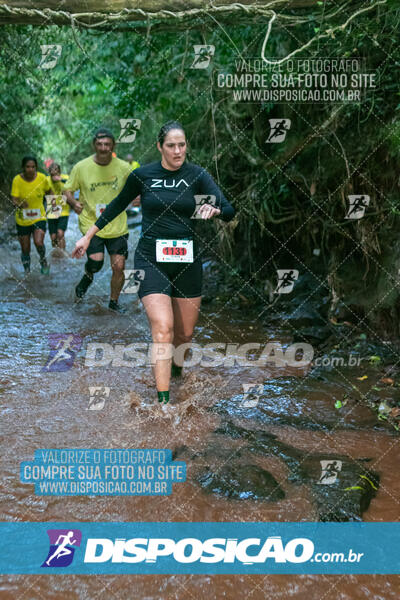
{"points": [[30, 214], [99, 209], [174, 251]]}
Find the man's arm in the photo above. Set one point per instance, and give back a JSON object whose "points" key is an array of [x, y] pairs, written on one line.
{"points": [[74, 204], [73, 183]]}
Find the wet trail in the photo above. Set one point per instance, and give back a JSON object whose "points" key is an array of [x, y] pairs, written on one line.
{"points": [[50, 410]]}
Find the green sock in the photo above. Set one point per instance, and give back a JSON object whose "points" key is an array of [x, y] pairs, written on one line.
{"points": [[163, 397], [26, 261], [42, 252], [175, 370]]}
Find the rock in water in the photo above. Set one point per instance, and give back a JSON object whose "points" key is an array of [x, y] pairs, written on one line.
{"points": [[304, 403], [341, 488], [242, 482]]}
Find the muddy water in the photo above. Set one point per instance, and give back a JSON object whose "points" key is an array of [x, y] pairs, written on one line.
{"points": [[50, 410]]}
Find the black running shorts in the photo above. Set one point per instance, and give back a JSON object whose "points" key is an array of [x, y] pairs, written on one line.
{"points": [[56, 224], [28, 229], [176, 279], [118, 245]]}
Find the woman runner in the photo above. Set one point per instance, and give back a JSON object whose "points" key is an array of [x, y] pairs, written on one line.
{"points": [[172, 194], [57, 209], [27, 192]]}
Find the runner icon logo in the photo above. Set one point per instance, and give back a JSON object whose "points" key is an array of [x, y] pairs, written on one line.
{"points": [[63, 350], [251, 394], [133, 279], [54, 205], [50, 55], [200, 200], [286, 280], [98, 396], [129, 128], [279, 129], [357, 206], [61, 551], [203, 53], [330, 471]]}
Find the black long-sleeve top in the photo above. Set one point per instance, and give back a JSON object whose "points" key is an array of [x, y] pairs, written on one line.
{"points": [[167, 199]]}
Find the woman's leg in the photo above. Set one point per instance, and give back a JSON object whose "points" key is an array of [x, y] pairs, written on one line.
{"points": [[159, 312], [117, 262], [38, 239], [60, 241], [186, 312], [25, 243], [52, 225]]}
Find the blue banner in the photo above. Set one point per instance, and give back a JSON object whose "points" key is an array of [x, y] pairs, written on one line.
{"points": [[102, 472], [213, 548]]}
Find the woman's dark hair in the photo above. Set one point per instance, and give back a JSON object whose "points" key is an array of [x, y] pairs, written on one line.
{"points": [[103, 132], [166, 128], [54, 166], [28, 158]]}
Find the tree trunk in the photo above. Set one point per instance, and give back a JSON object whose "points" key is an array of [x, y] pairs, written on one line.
{"points": [[116, 12]]}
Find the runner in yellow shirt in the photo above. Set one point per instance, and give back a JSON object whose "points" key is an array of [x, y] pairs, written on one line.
{"points": [[134, 163], [27, 192], [57, 209], [100, 178]]}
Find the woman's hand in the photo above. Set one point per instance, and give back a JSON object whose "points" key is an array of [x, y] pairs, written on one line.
{"points": [[207, 211], [80, 247]]}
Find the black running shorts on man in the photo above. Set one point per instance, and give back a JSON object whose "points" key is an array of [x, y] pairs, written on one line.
{"points": [[118, 245]]}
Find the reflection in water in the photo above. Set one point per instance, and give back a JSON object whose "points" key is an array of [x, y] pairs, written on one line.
{"points": [[50, 409]]}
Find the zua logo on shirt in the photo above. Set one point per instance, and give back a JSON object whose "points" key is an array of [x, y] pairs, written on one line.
{"points": [[159, 183], [61, 551], [191, 550]]}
